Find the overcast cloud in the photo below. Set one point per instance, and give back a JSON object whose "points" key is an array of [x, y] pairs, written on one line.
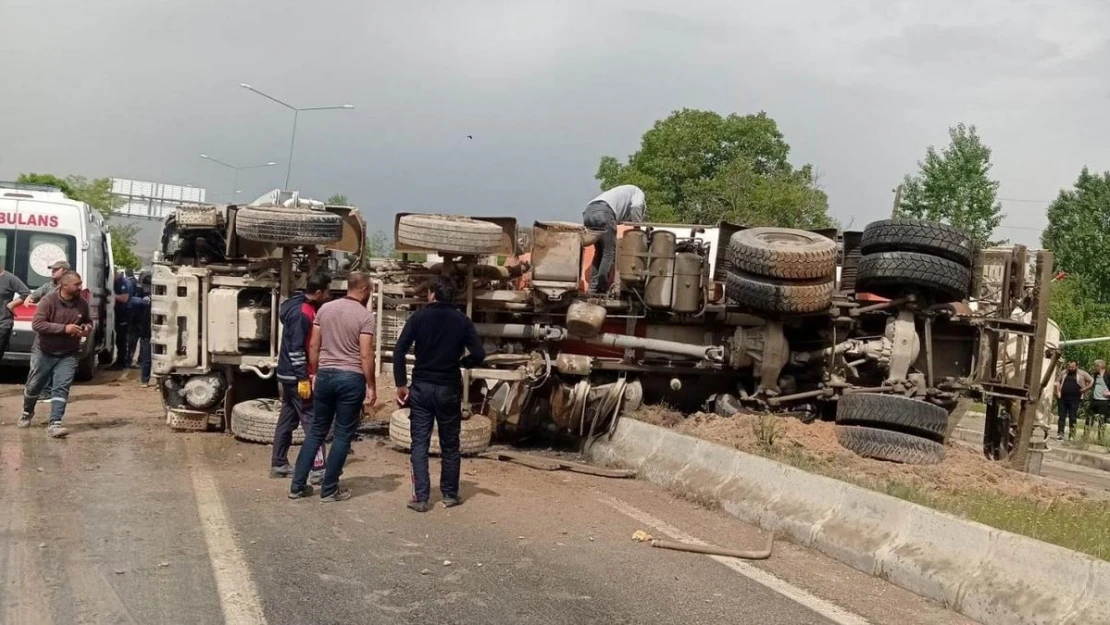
{"points": [[139, 88]]}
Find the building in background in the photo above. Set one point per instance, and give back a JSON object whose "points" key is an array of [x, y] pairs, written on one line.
{"points": [[153, 199], [143, 206]]}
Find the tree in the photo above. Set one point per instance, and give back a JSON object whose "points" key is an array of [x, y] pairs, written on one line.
{"points": [[1074, 307], [1078, 231], [378, 245], [954, 186], [338, 200], [699, 166], [123, 246], [97, 193]]}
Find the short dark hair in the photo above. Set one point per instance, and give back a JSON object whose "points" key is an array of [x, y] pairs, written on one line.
{"points": [[318, 282], [444, 289], [68, 276]]}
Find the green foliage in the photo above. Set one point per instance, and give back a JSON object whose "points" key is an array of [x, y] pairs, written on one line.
{"points": [[1078, 232], [97, 193], [954, 186], [123, 246], [379, 245], [1080, 315], [337, 200], [701, 167]]}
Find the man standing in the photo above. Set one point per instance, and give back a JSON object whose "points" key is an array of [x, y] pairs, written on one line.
{"points": [[12, 292], [623, 204], [61, 322], [341, 351], [141, 320], [1100, 397], [57, 270], [441, 332], [123, 293], [294, 372], [1071, 386]]}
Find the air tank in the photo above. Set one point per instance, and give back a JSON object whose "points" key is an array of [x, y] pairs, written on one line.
{"points": [[632, 257], [659, 290], [687, 283]]}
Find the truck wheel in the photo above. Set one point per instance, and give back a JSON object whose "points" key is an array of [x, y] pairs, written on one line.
{"points": [[450, 234], [778, 296], [887, 445], [894, 274], [474, 438], [255, 421], [893, 412], [288, 226], [86, 367], [784, 253], [924, 237]]}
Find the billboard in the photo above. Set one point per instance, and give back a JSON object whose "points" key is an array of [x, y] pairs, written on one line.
{"points": [[153, 199]]}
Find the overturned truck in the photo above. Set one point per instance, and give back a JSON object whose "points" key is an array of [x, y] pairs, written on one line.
{"points": [[890, 331]]}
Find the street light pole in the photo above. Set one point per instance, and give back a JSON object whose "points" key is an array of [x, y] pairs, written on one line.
{"points": [[235, 169], [296, 113]]}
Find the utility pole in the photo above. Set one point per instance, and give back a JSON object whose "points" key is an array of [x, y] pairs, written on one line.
{"points": [[897, 202]]}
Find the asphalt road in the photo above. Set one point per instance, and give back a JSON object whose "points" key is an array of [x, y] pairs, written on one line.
{"points": [[126, 522]]}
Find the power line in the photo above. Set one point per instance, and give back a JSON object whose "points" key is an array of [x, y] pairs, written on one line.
{"points": [[1012, 199]]}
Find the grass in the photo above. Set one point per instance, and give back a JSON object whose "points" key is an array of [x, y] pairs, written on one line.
{"points": [[1082, 526]]}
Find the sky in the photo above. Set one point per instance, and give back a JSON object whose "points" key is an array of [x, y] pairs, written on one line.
{"points": [[140, 88]]}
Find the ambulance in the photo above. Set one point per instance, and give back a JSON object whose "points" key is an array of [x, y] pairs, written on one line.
{"points": [[39, 226]]}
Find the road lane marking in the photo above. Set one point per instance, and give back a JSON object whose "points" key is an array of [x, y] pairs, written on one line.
{"points": [[826, 609], [238, 596]]}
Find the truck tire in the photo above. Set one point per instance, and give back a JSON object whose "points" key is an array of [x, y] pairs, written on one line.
{"points": [[915, 235], [887, 445], [473, 440], [86, 367], [778, 296], [255, 421], [784, 253], [288, 226], [893, 412], [894, 274], [450, 234]]}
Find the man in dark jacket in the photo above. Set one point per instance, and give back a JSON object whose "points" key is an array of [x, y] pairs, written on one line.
{"points": [[123, 305], [295, 373], [441, 332]]}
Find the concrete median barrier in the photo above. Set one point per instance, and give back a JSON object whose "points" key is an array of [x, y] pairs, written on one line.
{"points": [[995, 577]]}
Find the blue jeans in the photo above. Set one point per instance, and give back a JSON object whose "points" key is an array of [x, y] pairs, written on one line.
{"points": [[144, 359], [431, 404], [53, 372], [337, 399], [600, 217]]}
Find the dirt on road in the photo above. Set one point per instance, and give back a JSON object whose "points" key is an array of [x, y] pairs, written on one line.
{"points": [[813, 446]]}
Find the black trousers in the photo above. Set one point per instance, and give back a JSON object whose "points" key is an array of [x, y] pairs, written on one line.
{"points": [[5, 337], [1099, 413], [294, 412], [123, 343], [1069, 413], [433, 404]]}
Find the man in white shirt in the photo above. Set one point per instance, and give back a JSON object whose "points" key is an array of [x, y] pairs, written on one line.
{"points": [[623, 204]]}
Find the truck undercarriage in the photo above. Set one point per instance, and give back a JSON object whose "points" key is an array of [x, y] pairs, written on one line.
{"points": [[907, 319]]}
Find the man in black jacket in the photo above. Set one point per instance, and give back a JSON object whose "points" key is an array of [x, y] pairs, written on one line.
{"points": [[441, 332], [295, 374]]}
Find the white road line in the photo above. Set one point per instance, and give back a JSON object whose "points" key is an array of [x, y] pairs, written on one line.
{"points": [[826, 609], [238, 595]]}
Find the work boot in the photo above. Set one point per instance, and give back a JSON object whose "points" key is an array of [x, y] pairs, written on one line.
{"points": [[301, 494], [419, 506], [316, 477], [451, 502], [24, 421], [56, 430], [281, 472], [340, 495]]}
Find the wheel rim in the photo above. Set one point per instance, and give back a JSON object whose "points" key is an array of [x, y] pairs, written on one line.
{"points": [[783, 239]]}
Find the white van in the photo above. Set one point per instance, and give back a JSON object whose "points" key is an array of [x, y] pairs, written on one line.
{"points": [[39, 226]]}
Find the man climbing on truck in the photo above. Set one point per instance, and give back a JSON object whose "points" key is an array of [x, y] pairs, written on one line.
{"points": [[623, 204], [295, 374]]}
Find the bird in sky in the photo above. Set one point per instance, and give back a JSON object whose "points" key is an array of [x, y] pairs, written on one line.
{"points": [[469, 136]]}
